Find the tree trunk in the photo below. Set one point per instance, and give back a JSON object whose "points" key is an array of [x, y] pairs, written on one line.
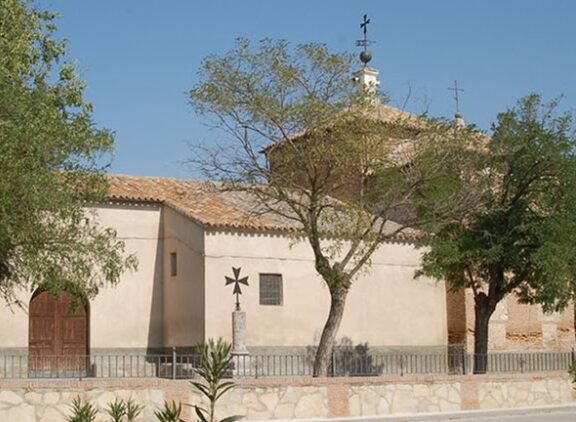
{"points": [[324, 352], [483, 310]]}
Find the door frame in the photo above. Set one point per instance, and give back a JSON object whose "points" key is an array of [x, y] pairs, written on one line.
{"points": [[57, 300]]}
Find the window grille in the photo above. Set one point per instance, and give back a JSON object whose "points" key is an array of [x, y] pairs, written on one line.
{"points": [[271, 289]]}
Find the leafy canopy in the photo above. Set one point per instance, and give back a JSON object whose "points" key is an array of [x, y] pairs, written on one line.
{"points": [[52, 159], [309, 147], [273, 90], [519, 234]]}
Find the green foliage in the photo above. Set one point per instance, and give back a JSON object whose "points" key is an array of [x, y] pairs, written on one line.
{"points": [[274, 89], [170, 413], [215, 365], [82, 412], [124, 411], [572, 371], [52, 159], [116, 410], [133, 410], [336, 165], [518, 234]]}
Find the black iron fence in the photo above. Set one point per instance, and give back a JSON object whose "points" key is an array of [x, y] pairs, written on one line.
{"points": [[182, 366]]}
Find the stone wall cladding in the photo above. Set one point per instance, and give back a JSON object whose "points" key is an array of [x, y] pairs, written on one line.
{"points": [[52, 405], [369, 399], [285, 398], [540, 392]]}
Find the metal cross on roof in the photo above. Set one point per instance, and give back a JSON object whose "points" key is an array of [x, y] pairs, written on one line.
{"points": [[236, 281], [365, 55], [364, 26], [456, 97]]}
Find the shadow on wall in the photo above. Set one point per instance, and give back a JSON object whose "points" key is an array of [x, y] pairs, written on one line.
{"points": [[155, 325], [349, 359]]}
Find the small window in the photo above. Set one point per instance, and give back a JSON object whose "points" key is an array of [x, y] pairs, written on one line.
{"points": [[271, 289], [173, 264]]}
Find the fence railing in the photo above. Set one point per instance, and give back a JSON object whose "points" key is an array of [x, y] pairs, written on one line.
{"points": [[182, 366]]}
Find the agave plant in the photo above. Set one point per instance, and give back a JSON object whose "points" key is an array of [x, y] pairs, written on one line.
{"points": [[214, 366], [82, 412], [133, 410], [170, 413], [124, 411], [117, 410]]}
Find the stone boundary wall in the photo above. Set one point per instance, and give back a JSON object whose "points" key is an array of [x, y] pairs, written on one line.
{"points": [[286, 398]]}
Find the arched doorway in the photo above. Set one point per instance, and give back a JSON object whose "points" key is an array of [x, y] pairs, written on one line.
{"points": [[58, 338]]}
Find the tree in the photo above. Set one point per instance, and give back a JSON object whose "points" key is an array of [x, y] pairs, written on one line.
{"points": [[51, 163], [321, 141], [519, 237]]}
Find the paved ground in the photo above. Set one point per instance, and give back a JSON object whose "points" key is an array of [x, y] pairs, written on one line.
{"points": [[547, 417], [563, 413], [545, 414], [530, 417]]}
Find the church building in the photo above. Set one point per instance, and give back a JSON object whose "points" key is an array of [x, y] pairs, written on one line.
{"points": [[188, 236]]}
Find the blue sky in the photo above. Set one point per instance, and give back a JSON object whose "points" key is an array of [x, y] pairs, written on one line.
{"points": [[139, 57]]}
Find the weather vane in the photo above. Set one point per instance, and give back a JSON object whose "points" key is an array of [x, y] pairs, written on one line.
{"points": [[456, 97], [365, 55], [237, 281]]}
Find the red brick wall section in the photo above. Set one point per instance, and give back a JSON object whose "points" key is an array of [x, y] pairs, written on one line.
{"points": [[524, 325], [469, 395], [338, 404], [179, 392], [456, 316]]}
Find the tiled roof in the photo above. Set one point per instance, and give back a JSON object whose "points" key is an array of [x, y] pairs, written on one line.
{"points": [[204, 202], [388, 113], [198, 200], [381, 112]]}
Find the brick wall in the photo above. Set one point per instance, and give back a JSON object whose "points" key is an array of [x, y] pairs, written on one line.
{"points": [[513, 326]]}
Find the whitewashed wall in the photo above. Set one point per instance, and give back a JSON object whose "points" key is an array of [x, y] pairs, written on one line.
{"points": [[386, 305], [128, 315]]}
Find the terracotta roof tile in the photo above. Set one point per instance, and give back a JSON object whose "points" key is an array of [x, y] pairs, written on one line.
{"points": [[196, 199], [382, 112], [204, 203]]}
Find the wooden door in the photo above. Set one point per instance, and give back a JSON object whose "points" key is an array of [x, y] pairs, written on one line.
{"points": [[58, 336]]}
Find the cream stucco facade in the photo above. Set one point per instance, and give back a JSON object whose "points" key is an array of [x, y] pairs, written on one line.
{"points": [[376, 310], [153, 308], [128, 315], [188, 236]]}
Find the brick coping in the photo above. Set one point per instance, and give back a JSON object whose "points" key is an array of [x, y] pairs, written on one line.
{"points": [[52, 383]]}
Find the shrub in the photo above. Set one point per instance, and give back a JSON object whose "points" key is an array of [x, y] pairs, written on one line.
{"points": [[82, 412], [214, 366], [133, 410], [124, 411], [572, 371], [170, 413]]}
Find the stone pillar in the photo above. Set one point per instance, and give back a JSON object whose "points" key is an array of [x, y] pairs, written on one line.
{"points": [[239, 333], [240, 358]]}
